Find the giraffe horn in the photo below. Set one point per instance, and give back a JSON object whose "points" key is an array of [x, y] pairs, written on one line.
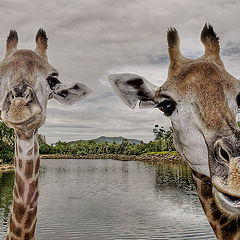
{"points": [[12, 42], [41, 43], [210, 41], [173, 44]]}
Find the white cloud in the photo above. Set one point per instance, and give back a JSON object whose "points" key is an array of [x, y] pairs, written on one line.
{"points": [[88, 39]]}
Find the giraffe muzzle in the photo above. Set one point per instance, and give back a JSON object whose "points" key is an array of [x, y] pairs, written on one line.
{"points": [[225, 173], [21, 109]]}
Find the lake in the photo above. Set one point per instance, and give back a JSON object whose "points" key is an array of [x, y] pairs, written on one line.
{"points": [[101, 199]]}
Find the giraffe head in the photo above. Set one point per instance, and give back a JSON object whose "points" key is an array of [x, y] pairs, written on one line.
{"points": [[28, 81], [201, 99]]}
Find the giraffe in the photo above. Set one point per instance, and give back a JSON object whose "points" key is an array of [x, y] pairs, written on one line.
{"points": [[201, 99], [27, 82]]}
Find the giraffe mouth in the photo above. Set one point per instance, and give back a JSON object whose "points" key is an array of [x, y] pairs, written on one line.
{"points": [[25, 125], [25, 122], [229, 203]]}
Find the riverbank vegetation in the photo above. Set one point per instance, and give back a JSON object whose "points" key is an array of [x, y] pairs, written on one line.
{"points": [[162, 144], [6, 144]]}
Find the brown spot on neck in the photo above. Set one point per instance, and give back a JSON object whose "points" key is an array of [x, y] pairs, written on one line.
{"points": [[30, 218], [37, 165], [20, 184], [29, 169], [15, 192], [35, 147], [19, 163], [29, 235], [14, 229], [33, 189], [19, 211]]}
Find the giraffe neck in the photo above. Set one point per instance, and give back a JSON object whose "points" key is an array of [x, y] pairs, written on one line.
{"points": [[225, 227], [25, 195]]}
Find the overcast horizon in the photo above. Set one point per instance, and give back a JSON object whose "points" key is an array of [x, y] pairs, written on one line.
{"points": [[88, 40]]}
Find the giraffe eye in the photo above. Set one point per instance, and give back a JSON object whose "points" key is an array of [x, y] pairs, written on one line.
{"points": [[52, 81], [167, 106], [238, 100]]}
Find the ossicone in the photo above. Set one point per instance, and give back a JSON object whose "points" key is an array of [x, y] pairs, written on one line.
{"points": [[12, 41], [173, 44], [41, 42], [210, 40]]}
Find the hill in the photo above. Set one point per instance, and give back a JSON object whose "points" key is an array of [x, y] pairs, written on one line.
{"points": [[116, 139], [110, 139]]}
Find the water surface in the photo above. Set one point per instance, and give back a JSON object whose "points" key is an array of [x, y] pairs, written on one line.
{"points": [[110, 199]]}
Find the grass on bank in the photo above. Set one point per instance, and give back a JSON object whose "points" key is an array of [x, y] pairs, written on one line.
{"points": [[171, 153]]}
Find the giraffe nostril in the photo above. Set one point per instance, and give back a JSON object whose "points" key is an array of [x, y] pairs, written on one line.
{"points": [[224, 154], [28, 94], [11, 95], [21, 92]]}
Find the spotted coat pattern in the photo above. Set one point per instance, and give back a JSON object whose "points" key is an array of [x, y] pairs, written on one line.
{"points": [[25, 194], [225, 227]]}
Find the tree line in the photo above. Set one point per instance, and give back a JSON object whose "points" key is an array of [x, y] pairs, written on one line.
{"points": [[162, 142]]}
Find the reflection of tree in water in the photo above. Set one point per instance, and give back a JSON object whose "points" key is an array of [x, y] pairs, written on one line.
{"points": [[6, 192], [177, 176]]}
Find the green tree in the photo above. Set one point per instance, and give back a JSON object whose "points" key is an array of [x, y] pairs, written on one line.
{"points": [[165, 139], [6, 144], [44, 148]]}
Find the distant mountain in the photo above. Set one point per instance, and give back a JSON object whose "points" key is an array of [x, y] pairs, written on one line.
{"points": [[116, 139], [111, 139]]}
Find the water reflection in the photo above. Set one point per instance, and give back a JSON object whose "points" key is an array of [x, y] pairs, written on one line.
{"points": [[109, 199], [170, 176], [173, 183]]}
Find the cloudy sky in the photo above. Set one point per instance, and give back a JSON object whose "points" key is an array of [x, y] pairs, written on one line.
{"points": [[89, 39]]}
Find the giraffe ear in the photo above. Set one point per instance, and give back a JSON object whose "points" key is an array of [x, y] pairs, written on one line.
{"points": [[133, 89], [41, 43], [12, 42], [70, 94]]}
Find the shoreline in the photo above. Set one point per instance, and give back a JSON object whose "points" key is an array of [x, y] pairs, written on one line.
{"points": [[151, 158], [6, 167], [156, 158]]}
